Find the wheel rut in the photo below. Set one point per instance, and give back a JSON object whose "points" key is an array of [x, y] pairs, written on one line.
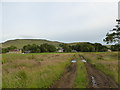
{"points": [[67, 80], [98, 79]]}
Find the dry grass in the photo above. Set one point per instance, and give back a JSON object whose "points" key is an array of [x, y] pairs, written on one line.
{"points": [[33, 70], [81, 80], [104, 61]]}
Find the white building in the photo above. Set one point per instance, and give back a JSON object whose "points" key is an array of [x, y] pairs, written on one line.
{"points": [[60, 50]]}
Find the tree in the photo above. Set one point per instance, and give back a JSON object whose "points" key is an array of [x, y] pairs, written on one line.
{"points": [[114, 35], [99, 47], [84, 47], [47, 48], [115, 47], [66, 47], [11, 48], [32, 48], [89, 47], [37, 49], [5, 50]]}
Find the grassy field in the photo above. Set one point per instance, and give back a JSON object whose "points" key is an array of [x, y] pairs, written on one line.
{"points": [[81, 80], [41, 70], [106, 62], [33, 70]]}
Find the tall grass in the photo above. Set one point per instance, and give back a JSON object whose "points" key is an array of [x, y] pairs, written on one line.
{"points": [[106, 62], [26, 72], [81, 80]]}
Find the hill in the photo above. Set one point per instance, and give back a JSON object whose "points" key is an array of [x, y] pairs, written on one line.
{"points": [[19, 43]]}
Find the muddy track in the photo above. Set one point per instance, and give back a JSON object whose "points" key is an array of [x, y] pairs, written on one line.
{"points": [[67, 80], [98, 79]]}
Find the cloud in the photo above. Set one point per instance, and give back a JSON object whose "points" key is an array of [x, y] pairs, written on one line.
{"points": [[66, 22], [60, 0]]}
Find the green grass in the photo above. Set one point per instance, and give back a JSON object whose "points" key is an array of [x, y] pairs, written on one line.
{"points": [[106, 62], [24, 70], [12, 57], [41, 70], [81, 80], [39, 78], [19, 43]]}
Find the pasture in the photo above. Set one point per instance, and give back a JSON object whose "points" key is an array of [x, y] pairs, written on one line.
{"points": [[42, 70]]}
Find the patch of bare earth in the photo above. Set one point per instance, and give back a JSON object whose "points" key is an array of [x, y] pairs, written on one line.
{"points": [[101, 80], [67, 80]]}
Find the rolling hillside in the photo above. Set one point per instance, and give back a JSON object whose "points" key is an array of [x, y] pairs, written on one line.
{"points": [[19, 43]]}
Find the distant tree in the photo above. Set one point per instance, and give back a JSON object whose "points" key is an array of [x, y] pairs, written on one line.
{"points": [[52, 48], [66, 47], [104, 49], [98, 47], [85, 47], [47, 48], [37, 49], [89, 47], [43, 47], [114, 35], [5, 50], [115, 47], [0, 50], [11, 47], [32, 48]]}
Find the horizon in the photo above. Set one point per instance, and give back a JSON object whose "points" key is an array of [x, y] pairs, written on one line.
{"points": [[55, 41], [58, 21]]}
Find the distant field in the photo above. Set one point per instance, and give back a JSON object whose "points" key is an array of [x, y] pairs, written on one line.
{"points": [[106, 62]]}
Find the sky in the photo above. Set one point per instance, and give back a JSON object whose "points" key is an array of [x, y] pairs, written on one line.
{"points": [[58, 21]]}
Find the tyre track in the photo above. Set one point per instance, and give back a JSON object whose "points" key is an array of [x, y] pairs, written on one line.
{"points": [[67, 80], [98, 79]]}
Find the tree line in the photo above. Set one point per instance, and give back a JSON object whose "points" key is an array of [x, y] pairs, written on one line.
{"points": [[5, 50], [84, 47], [79, 47], [39, 48]]}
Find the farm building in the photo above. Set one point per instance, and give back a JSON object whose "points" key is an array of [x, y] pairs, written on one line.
{"points": [[73, 51], [61, 50], [109, 50], [15, 51], [27, 51]]}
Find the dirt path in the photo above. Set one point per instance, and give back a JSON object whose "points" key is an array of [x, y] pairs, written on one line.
{"points": [[98, 79], [67, 80]]}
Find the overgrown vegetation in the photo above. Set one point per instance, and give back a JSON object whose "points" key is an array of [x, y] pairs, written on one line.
{"points": [[115, 47], [89, 47], [33, 70], [41, 70], [106, 62], [4, 50], [79, 47], [81, 80], [37, 49]]}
